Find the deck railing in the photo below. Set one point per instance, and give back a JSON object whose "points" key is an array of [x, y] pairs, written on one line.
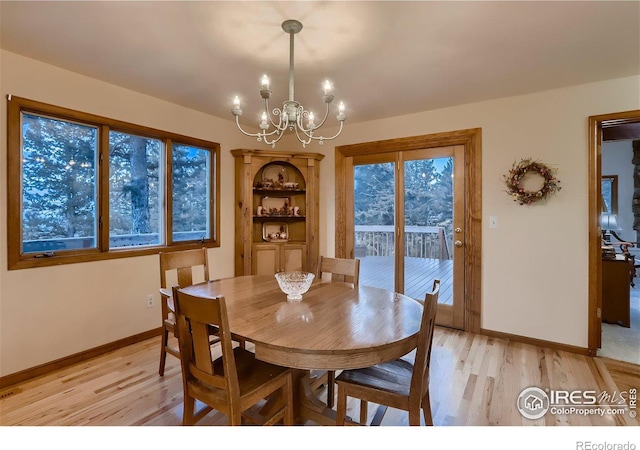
{"points": [[119, 241], [419, 242]]}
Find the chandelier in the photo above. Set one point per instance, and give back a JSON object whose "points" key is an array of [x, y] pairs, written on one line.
{"points": [[292, 115]]}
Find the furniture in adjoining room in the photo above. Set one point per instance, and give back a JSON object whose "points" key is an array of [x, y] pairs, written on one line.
{"points": [[400, 383], [615, 291], [277, 211], [233, 383]]}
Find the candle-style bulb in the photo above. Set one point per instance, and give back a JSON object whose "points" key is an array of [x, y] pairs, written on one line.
{"points": [[265, 82], [327, 87], [236, 101], [311, 119], [263, 123], [341, 115]]}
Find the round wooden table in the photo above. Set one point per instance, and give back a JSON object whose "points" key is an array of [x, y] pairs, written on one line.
{"points": [[334, 327]]}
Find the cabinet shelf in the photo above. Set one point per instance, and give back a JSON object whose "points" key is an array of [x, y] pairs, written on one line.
{"points": [[271, 192], [278, 218], [290, 241]]}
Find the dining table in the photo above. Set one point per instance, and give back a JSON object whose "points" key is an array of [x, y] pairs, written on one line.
{"points": [[335, 326]]}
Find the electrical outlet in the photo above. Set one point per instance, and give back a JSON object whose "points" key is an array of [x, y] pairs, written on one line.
{"points": [[151, 302]]}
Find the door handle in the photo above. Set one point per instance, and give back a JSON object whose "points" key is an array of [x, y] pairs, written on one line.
{"points": [[458, 243]]}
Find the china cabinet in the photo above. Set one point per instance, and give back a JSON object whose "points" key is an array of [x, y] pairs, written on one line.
{"points": [[276, 212]]}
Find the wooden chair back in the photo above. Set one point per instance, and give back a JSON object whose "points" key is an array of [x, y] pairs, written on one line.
{"points": [[186, 264], [181, 268], [341, 269], [194, 315], [420, 377]]}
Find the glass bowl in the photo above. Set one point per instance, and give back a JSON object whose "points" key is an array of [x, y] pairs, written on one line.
{"points": [[294, 284]]}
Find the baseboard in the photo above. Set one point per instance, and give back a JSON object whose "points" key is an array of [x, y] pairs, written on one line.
{"points": [[537, 342], [43, 369]]}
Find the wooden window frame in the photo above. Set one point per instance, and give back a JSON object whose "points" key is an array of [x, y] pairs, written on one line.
{"points": [[471, 139], [17, 260]]}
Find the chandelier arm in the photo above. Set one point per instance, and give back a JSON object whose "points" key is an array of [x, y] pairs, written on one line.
{"points": [[272, 142], [276, 112], [284, 119], [304, 142], [244, 132], [322, 138], [255, 135], [309, 131], [300, 115], [326, 114]]}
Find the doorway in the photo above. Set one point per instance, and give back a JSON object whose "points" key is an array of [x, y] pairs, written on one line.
{"points": [[409, 221], [411, 236], [616, 126]]}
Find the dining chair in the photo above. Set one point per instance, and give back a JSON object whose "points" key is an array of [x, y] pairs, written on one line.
{"points": [[233, 383], [181, 267], [399, 384], [345, 270], [341, 269]]}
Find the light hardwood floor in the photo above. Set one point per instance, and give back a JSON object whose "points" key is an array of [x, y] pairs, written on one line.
{"points": [[475, 380]]}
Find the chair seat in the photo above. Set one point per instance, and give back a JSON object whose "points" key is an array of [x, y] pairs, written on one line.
{"points": [[245, 361], [252, 374], [393, 377]]}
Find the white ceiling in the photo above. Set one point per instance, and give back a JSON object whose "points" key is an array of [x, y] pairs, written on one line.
{"points": [[384, 58]]}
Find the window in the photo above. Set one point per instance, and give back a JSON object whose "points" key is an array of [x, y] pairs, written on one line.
{"points": [[59, 174], [610, 194], [135, 200], [83, 188], [191, 193]]}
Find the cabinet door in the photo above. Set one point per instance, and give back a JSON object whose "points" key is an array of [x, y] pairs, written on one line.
{"points": [[616, 292], [294, 257], [266, 259]]}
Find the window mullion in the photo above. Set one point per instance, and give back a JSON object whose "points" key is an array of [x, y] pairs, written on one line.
{"points": [[168, 191], [103, 188]]}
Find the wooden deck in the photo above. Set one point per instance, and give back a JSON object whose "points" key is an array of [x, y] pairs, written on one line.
{"points": [[378, 271]]}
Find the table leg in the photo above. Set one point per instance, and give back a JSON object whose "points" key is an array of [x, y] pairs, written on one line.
{"points": [[307, 405]]}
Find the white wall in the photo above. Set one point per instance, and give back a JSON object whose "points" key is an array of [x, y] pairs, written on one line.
{"points": [[51, 312], [534, 265], [534, 273], [616, 160]]}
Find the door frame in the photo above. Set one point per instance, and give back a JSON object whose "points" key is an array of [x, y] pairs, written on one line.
{"points": [[471, 140], [596, 125]]}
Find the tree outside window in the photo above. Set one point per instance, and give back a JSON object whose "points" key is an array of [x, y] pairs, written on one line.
{"points": [[84, 187]]}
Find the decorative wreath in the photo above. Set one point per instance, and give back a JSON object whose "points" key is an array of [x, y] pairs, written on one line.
{"points": [[519, 170]]}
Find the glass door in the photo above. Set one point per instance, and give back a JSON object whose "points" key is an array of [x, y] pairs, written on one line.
{"points": [[409, 223], [374, 218]]}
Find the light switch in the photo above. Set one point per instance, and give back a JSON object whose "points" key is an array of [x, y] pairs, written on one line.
{"points": [[493, 222]]}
